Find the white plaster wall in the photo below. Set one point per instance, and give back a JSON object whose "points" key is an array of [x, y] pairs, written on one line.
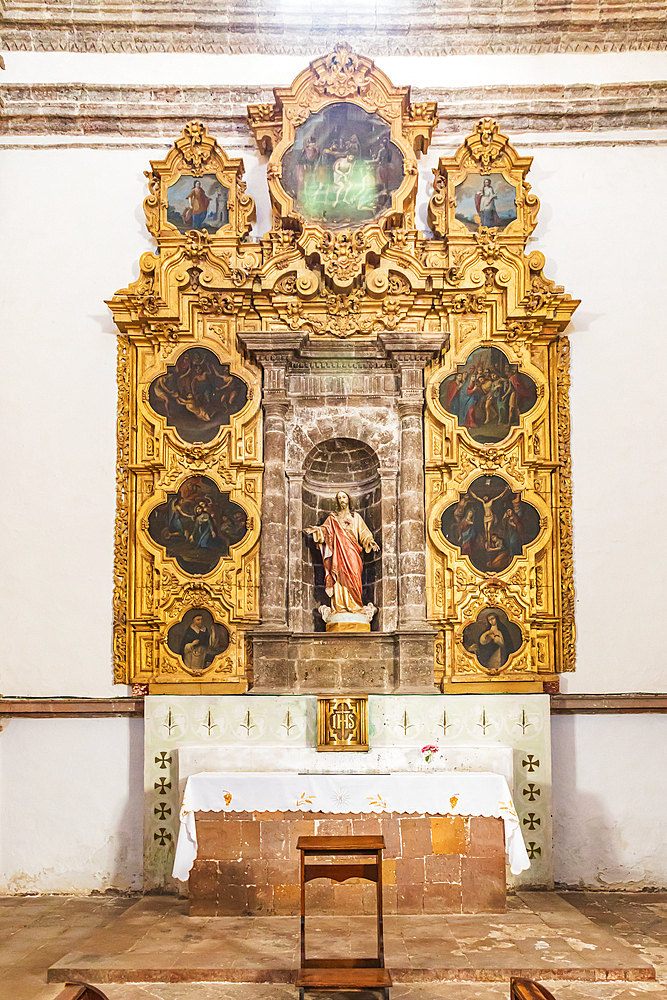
{"points": [[73, 232], [71, 792], [609, 795], [609, 257]]}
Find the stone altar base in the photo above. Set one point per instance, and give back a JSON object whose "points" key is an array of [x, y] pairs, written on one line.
{"points": [[153, 941], [246, 731], [343, 662], [247, 864]]}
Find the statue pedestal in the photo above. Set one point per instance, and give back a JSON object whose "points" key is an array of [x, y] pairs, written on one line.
{"points": [[343, 662]]}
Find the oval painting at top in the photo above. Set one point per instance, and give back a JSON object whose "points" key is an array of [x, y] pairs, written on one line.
{"points": [[487, 200], [487, 395], [197, 395], [342, 168]]}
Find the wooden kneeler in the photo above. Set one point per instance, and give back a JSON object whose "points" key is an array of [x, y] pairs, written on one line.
{"points": [[342, 973]]}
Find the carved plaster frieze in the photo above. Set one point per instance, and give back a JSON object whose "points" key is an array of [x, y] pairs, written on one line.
{"points": [[406, 28]]}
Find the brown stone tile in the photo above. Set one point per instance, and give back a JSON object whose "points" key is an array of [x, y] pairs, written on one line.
{"points": [[299, 828], [250, 843], [347, 898], [334, 827], [260, 900], [389, 871], [286, 900], [257, 872], [369, 898], [448, 835], [220, 840], [389, 898], [409, 870], [416, 837], [274, 839], [366, 827], [443, 868], [486, 837], [203, 881], [410, 898], [391, 832], [282, 872], [203, 907], [232, 900], [483, 885], [442, 897], [236, 873], [320, 897]]}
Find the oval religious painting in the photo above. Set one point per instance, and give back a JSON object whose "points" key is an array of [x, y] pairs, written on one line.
{"points": [[488, 395], [342, 168], [197, 395]]}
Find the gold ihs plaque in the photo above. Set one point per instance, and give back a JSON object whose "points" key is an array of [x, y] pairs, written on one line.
{"points": [[342, 723]]}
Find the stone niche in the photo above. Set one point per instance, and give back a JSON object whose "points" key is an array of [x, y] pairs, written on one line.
{"points": [[337, 464], [342, 416]]}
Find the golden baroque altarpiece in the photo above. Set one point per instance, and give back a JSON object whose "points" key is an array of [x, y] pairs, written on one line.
{"points": [[343, 265]]}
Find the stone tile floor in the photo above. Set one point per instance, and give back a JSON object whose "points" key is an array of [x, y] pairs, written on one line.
{"points": [[37, 932]]}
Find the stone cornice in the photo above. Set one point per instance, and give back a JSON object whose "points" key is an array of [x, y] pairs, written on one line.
{"points": [[134, 111], [403, 27], [608, 704], [60, 708], [561, 704]]}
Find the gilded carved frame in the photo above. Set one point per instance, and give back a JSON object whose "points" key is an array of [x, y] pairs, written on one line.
{"points": [[497, 297], [471, 284], [186, 299]]}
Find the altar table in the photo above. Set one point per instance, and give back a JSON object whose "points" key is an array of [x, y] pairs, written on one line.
{"points": [[437, 793]]}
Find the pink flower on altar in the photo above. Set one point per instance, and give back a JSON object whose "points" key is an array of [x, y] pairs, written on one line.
{"points": [[429, 752]]}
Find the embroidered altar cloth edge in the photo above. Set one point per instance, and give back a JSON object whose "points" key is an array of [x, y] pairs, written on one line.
{"points": [[479, 793]]}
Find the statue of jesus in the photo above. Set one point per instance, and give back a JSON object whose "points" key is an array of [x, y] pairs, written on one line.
{"points": [[341, 540]]}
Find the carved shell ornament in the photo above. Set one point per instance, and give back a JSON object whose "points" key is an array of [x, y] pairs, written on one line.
{"points": [[342, 75]]}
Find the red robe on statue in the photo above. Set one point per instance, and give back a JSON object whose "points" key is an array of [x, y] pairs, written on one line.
{"points": [[342, 559]]}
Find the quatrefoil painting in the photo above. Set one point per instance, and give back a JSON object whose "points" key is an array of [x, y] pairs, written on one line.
{"points": [[197, 525], [198, 639], [197, 395], [492, 638], [490, 524], [342, 168], [488, 395]]}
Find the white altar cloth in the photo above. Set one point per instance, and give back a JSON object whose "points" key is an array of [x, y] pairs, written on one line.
{"points": [[438, 793]]}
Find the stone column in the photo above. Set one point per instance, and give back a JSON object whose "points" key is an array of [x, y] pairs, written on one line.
{"points": [[274, 352], [389, 609], [411, 353], [273, 539], [411, 534], [295, 541]]}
